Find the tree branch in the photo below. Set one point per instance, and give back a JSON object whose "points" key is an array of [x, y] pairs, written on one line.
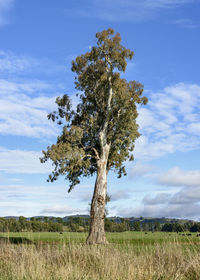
{"points": [[96, 153]]}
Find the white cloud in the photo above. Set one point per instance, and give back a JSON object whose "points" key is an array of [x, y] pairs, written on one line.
{"points": [[186, 23], [25, 103], [186, 197], [160, 198], [5, 6], [24, 88], [24, 115], [10, 63], [119, 195], [25, 162], [182, 201], [194, 128], [17, 204], [31, 190], [140, 169], [48, 199], [127, 10], [178, 177], [182, 204], [157, 211], [170, 122], [62, 210]]}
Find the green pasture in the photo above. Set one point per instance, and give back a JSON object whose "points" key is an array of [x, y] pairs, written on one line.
{"points": [[137, 239]]}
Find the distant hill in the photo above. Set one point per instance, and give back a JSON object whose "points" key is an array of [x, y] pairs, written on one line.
{"points": [[11, 217]]}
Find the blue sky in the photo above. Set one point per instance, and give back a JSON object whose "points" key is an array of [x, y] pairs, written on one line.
{"points": [[38, 40]]}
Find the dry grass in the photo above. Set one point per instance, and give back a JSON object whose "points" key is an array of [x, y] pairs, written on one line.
{"points": [[79, 262]]}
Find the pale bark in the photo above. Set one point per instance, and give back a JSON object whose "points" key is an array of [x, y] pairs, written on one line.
{"points": [[97, 212]]}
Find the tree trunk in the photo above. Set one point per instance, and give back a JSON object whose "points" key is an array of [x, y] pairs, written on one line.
{"points": [[97, 212]]}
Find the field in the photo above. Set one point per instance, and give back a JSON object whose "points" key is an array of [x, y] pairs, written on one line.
{"points": [[130, 255]]}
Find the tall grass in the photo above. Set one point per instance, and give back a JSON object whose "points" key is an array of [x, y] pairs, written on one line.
{"points": [[80, 262]]}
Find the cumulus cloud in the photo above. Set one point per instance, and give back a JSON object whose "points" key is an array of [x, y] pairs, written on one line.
{"points": [[23, 114], [25, 104], [182, 201], [24, 162], [127, 10], [183, 197], [5, 7], [62, 210], [160, 198], [119, 195], [158, 211], [140, 169], [177, 177], [170, 122], [186, 197], [30, 200]]}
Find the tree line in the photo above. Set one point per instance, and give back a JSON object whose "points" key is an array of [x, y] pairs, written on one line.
{"points": [[35, 225], [81, 224], [127, 225], [192, 227]]}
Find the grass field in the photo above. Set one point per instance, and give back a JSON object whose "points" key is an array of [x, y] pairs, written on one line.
{"points": [[130, 255]]}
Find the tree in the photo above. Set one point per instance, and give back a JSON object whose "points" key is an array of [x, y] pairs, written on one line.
{"points": [[173, 227], [59, 220], [99, 135], [22, 222], [136, 226], [157, 226], [36, 226], [195, 227]]}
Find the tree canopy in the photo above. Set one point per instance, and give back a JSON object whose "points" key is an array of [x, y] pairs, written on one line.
{"points": [[105, 115]]}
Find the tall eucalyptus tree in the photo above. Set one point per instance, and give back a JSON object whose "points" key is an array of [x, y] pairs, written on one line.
{"points": [[99, 135]]}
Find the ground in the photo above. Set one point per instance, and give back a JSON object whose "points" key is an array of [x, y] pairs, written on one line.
{"points": [[129, 255]]}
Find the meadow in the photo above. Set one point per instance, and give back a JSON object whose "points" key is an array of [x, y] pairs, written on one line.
{"points": [[129, 255]]}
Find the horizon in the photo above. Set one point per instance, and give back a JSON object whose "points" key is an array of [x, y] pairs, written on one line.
{"points": [[39, 39], [108, 217]]}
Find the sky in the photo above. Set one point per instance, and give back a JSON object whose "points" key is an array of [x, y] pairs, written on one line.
{"points": [[38, 41]]}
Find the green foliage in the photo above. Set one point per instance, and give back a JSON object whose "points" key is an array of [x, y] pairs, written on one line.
{"points": [[53, 227], [157, 227], [136, 226], [173, 227], [13, 225], [77, 224], [81, 224], [22, 222], [107, 107], [195, 227], [111, 226], [59, 220]]}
